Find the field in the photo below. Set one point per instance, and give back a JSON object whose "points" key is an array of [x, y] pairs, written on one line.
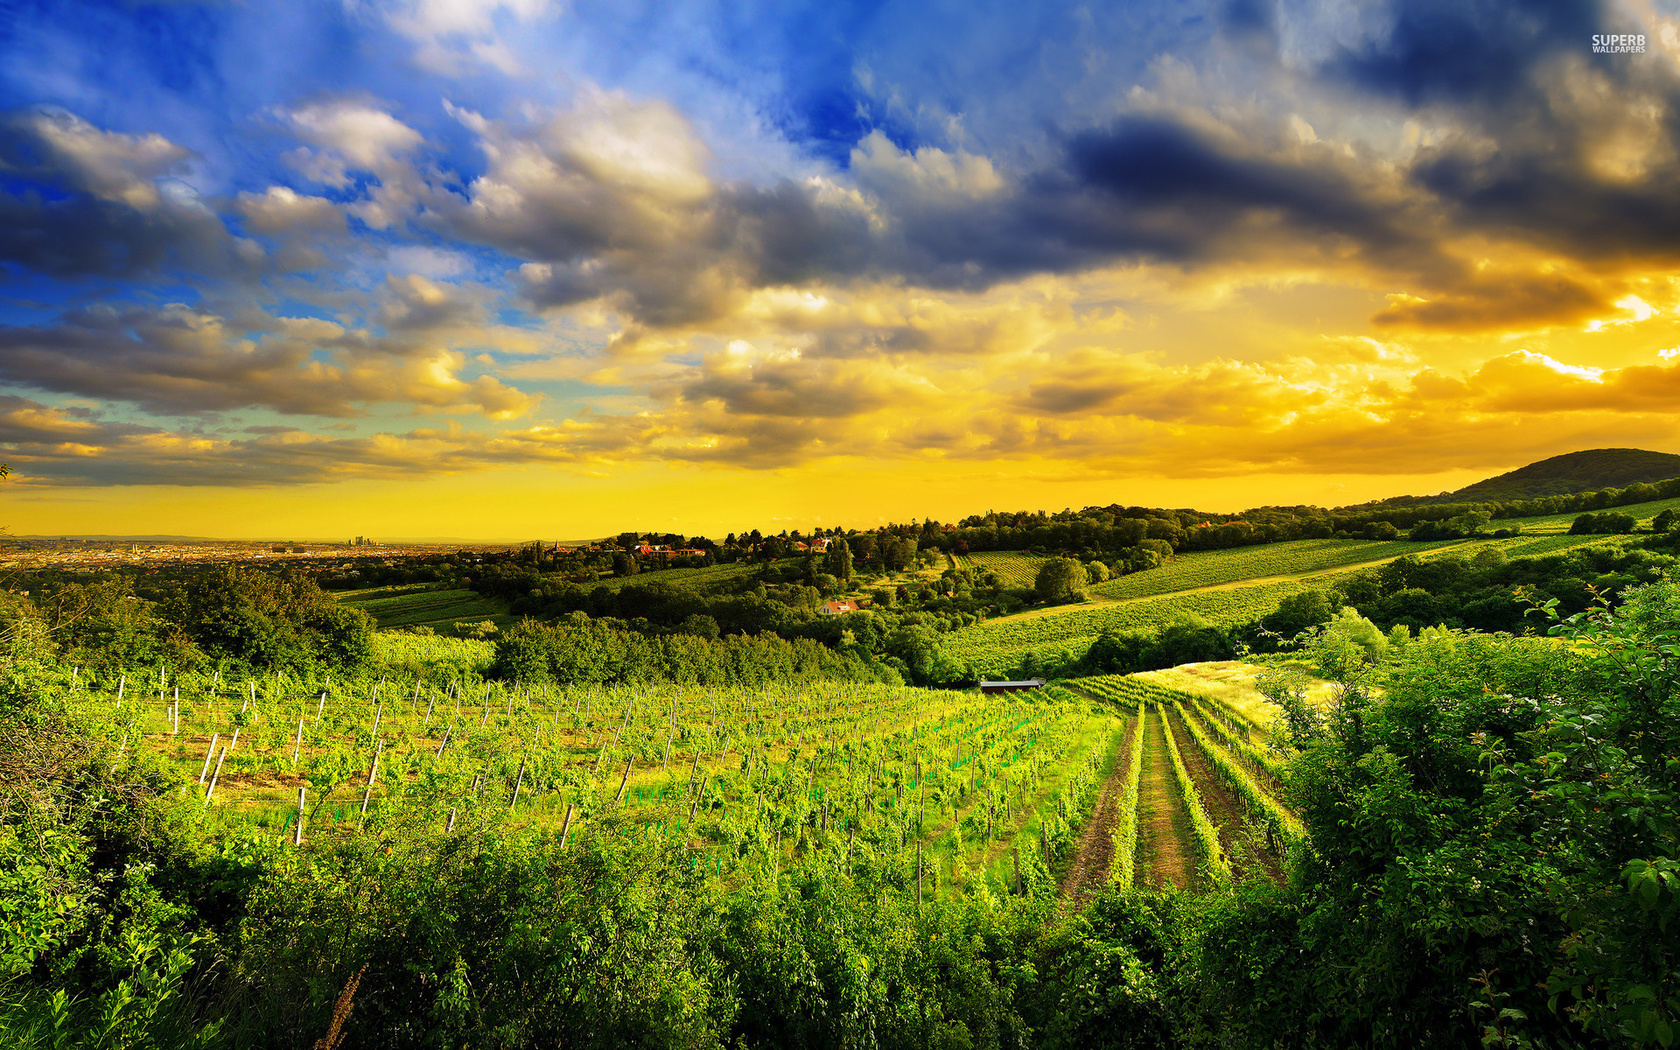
{"points": [[975, 785], [1272, 561], [1642, 513], [1197, 803], [701, 581], [1014, 568], [415, 606], [1223, 587]]}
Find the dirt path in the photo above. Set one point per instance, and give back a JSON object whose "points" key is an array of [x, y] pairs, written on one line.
{"points": [[1222, 805], [1087, 870], [1164, 853]]}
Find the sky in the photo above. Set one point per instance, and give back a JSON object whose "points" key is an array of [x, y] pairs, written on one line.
{"points": [[512, 269]]}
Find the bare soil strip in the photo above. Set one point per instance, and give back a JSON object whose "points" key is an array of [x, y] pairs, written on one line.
{"points": [[1223, 807], [1165, 857], [1087, 870]]}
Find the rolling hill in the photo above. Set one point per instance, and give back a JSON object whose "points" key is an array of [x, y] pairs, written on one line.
{"points": [[1585, 471]]}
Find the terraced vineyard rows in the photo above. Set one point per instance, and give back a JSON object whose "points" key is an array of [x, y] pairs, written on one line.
{"points": [[996, 647], [1014, 568], [975, 786], [1202, 790], [1296, 558]]}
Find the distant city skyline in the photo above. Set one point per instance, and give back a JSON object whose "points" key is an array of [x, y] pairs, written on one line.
{"points": [[503, 268]]}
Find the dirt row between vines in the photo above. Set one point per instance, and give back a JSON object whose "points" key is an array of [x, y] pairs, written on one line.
{"points": [[1223, 806], [1088, 868]]}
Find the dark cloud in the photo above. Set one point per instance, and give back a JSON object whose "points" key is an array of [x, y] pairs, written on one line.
{"points": [[1479, 52], [177, 360], [76, 200]]}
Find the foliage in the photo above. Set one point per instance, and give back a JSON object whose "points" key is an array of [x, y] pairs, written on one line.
{"points": [[1061, 580]]}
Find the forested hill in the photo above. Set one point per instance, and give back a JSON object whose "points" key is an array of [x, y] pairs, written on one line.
{"points": [[1584, 471]]}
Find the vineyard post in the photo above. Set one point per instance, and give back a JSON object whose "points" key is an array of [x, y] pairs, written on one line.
{"points": [[694, 807], [518, 782], [211, 790], [319, 705], [444, 742], [429, 702], [566, 825], [297, 832], [378, 712], [625, 779], [918, 874], [451, 826], [122, 684], [372, 776], [1016, 850], [208, 754], [74, 673], [235, 741]]}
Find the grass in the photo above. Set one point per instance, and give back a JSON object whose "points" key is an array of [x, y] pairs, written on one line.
{"points": [[411, 606], [1642, 513], [1014, 568]]}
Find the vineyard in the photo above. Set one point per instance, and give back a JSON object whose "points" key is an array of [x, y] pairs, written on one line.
{"points": [[1641, 512], [954, 785], [997, 646], [420, 607], [1294, 559], [1200, 789], [1014, 568]]}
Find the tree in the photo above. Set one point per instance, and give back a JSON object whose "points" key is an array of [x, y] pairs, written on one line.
{"points": [[1061, 580], [838, 561]]}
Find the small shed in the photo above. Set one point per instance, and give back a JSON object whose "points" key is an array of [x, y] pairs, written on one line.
{"points": [[1011, 687]]}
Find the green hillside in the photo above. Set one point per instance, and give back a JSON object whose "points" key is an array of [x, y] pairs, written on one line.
{"points": [[1587, 471]]}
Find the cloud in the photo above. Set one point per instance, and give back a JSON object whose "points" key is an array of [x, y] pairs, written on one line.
{"points": [[83, 201], [178, 360]]}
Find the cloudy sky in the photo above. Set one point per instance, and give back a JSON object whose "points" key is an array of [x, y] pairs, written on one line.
{"points": [[519, 268]]}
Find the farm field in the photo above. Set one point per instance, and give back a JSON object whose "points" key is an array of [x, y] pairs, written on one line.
{"points": [[411, 606], [701, 581], [1203, 806], [980, 787], [1014, 568], [1642, 513], [996, 646], [1275, 561]]}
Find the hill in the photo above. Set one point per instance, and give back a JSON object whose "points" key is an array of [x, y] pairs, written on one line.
{"points": [[1585, 471]]}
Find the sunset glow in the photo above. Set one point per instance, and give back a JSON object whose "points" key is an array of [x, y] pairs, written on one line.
{"points": [[505, 269]]}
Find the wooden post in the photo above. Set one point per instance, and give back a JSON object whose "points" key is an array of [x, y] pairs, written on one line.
{"points": [[695, 805], [451, 826], [297, 834], [235, 741], [429, 704], [566, 826], [209, 753], [122, 684], [518, 782], [319, 704], [625, 779], [373, 775], [918, 874], [211, 790], [297, 748], [378, 713]]}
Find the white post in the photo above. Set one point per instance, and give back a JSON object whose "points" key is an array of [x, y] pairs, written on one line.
{"points": [[208, 754]]}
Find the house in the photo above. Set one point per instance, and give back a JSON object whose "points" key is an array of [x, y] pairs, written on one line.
{"points": [[837, 608], [1011, 687]]}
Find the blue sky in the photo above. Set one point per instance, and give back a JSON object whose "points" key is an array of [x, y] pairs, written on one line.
{"points": [[267, 255]]}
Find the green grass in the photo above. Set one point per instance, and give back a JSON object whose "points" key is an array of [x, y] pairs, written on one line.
{"points": [[1014, 568], [1642, 513], [997, 646], [417, 607], [700, 581], [1295, 559]]}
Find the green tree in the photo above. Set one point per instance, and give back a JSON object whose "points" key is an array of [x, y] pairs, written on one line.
{"points": [[838, 561], [1061, 580]]}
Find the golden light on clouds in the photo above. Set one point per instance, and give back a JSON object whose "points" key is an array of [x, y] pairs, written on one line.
{"points": [[1274, 264]]}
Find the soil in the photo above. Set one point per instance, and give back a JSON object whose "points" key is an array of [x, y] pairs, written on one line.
{"points": [[1165, 857], [1087, 870], [1223, 807]]}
